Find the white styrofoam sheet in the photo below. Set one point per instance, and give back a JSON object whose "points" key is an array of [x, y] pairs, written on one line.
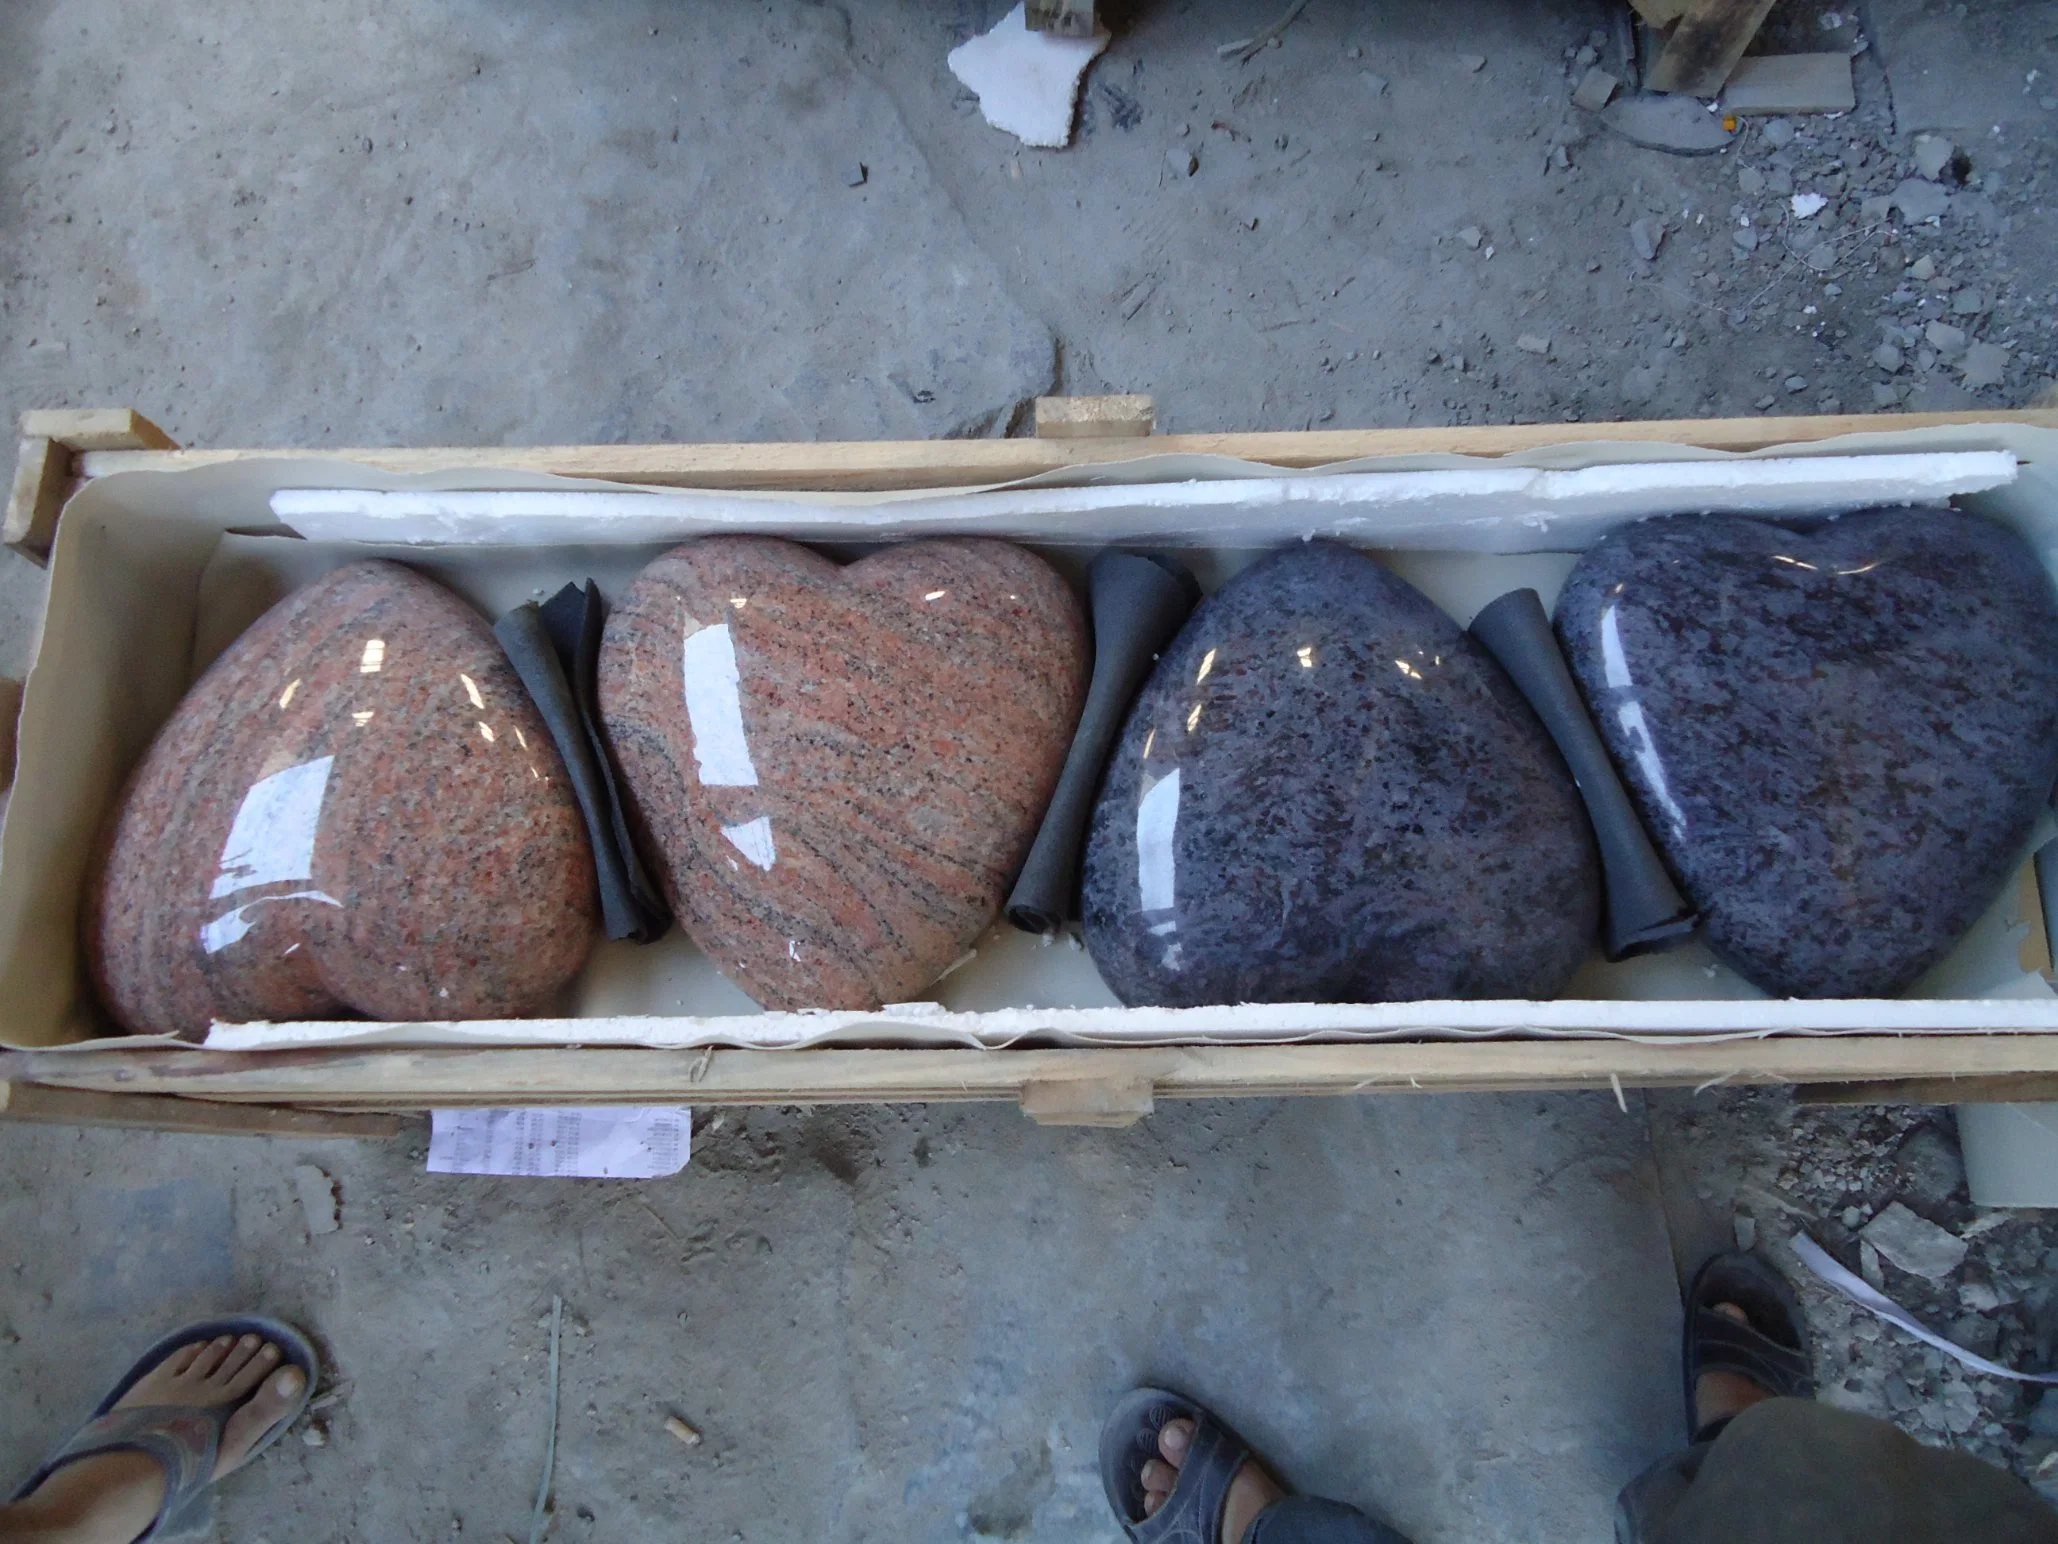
{"points": [[153, 573]]}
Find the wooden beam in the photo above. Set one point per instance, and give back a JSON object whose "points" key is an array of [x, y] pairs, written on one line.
{"points": [[395, 1079], [853, 465], [2022, 1088], [1711, 36], [97, 428], [1094, 418], [148, 1112], [1087, 1101], [42, 477]]}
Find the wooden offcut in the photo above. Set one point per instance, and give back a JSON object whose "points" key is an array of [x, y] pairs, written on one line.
{"points": [[1094, 418], [1706, 44], [44, 465], [97, 428], [195, 1117]]}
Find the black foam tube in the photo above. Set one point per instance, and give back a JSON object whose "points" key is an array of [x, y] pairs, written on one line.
{"points": [[1645, 910], [1138, 604], [555, 649]]}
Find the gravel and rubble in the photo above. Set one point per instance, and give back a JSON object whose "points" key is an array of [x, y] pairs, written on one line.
{"points": [[1835, 1172]]}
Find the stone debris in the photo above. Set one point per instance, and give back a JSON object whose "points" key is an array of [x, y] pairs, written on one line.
{"points": [[1471, 236], [1886, 396], [1933, 155], [1888, 358], [1790, 83], [1985, 364], [1595, 90], [1923, 268], [1745, 239], [1876, 209], [1968, 302], [855, 174], [1472, 64], [1778, 133], [1376, 84], [1530, 343], [1673, 123], [1914, 1244], [1647, 236], [1920, 200], [1746, 1229], [1750, 181], [1183, 163], [317, 1193], [1948, 341], [1796, 383]]}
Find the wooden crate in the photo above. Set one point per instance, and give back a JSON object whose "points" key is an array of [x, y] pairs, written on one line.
{"points": [[353, 1091]]}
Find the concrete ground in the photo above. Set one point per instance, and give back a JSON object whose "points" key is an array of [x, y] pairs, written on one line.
{"points": [[331, 222]]}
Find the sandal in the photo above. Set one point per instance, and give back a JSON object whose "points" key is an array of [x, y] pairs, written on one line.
{"points": [[1192, 1513], [183, 1438], [1771, 1350]]}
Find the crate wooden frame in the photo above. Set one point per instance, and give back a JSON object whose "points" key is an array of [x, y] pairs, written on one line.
{"points": [[355, 1091]]}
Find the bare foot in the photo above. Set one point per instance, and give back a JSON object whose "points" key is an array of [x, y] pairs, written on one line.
{"points": [[1720, 1394], [1249, 1493], [113, 1497]]}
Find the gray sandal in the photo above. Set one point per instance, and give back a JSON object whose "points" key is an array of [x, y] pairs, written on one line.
{"points": [[184, 1438], [1192, 1514]]}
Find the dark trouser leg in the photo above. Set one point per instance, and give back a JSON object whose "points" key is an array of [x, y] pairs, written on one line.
{"points": [[1792, 1469], [1311, 1520]]}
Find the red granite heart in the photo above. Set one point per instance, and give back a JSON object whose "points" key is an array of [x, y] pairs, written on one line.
{"points": [[356, 810], [841, 767]]}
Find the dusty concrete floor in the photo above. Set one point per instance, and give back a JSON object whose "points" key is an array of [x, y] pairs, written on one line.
{"points": [[372, 222]]}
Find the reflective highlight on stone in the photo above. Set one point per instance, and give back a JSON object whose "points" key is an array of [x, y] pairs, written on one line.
{"points": [[1328, 793], [840, 768], [355, 810], [1839, 740]]}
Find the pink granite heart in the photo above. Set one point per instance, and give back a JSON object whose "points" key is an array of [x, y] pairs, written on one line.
{"points": [[841, 767], [356, 810]]}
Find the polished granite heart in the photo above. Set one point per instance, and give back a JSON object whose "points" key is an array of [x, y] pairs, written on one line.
{"points": [[1328, 793], [355, 810], [841, 767], [1839, 740]]}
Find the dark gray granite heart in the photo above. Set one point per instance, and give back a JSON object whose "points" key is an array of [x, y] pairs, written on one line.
{"points": [[1327, 793], [1839, 740]]}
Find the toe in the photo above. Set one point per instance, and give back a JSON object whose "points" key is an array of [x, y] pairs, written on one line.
{"points": [[258, 1415], [1159, 1475], [211, 1356], [1152, 1500], [254, 1370], [182, 1359], [1174, 1440], [238, 1358]]}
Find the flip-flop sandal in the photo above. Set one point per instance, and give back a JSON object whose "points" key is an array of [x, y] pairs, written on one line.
{"points": [[1192, 1513], [1772, 1350], [183, 1438]]}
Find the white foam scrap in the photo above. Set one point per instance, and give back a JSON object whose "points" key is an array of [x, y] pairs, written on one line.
{"points": [[1027, 82], [1808, 204]]}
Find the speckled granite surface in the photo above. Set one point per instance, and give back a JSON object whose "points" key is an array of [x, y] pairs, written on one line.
{"points": [[840, 768], [1839, 740], [355, 810], [1328, 793]]}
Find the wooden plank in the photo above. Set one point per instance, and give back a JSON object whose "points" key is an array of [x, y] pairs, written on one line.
{"points": [[1711, 36], [857, 465], [42, 475], [97, 428], [1087, 1101], [393, 1079], [2022, 1088], [146, 1112], [1094, 418]]}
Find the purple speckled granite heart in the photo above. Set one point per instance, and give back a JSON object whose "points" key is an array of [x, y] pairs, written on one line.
{"points": [[1839, 739]]}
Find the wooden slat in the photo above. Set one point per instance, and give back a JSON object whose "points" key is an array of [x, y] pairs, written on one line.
{"points": [[147, 1112], [858, 465], [1711, 36], [1087, 1102], [395, 1079], [42, 474], [2022, 1088], [1094, 418], [97, 428]]}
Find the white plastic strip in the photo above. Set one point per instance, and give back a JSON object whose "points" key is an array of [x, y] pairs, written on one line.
{"points": [[1487, 508], [1861, 1292]]}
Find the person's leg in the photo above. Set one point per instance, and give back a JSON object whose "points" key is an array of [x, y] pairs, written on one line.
{"points": [[1789, 1469], [111, 1498], [1257, 1510]]}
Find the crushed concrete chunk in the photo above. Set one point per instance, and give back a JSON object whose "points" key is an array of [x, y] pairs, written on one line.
{"points": [[317, 1193], [1915, 1244], [1968, 302], [1948, 341], [1647, 236], [1594, 90], [1472, 235], [1790, 83], [1933, 154], [1530, 343], [1888, 358], [1986, 364], [1472, 64], [1919, 200]]}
